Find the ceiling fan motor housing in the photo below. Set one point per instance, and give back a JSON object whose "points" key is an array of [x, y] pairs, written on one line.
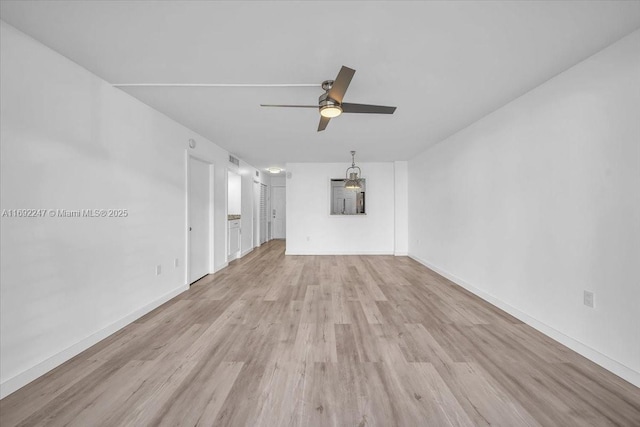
{"points": [[324, 101], [327, 85]]}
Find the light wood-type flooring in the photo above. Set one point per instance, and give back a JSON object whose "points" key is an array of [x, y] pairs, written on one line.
{"points": [[326, 341]]}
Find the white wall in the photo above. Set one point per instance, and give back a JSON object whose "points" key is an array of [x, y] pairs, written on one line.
{"points": [[401, 202], [312, 230], [71, 141], [541, 200], [278, 181], [234, 199]]}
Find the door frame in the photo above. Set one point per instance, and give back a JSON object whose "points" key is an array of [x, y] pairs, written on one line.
{"points": [[187, 257]]}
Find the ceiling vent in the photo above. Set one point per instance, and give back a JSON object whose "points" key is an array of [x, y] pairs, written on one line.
{"points": [[234, 160]]}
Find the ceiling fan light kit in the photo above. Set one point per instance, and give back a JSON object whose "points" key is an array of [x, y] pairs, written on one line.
{"points": [[330, 103], [329, 108], [330, 111]]}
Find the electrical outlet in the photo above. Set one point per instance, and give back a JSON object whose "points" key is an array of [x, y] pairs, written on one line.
{"points": [[158, 270], [176, 263], [589, 299]]}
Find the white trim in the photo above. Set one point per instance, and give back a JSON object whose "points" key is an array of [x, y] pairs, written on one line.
{"points": [[595, 356], [337, 253], [24, 378], [220, 267], [401, 254], [245, 252]]}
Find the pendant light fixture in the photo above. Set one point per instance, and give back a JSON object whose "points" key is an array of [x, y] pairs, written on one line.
{"points": [[352, 180]]}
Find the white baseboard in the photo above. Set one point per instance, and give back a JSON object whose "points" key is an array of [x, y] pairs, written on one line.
{"points": [[595, 356], [220, 267], [245, 252], [337, 253], [24, 378], [401, 254]]}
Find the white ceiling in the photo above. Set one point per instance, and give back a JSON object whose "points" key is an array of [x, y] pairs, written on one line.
{"points": [[443, 64]]}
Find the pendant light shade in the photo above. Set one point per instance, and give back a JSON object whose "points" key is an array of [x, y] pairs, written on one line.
{"points": [[352, 178]]}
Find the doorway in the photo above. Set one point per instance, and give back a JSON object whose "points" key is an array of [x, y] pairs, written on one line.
{"points": [[199, 218], [278, 211], [234, 211]]}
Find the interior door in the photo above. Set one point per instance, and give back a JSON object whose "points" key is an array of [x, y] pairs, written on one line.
{"points": [[278, 207], [199, 219]]}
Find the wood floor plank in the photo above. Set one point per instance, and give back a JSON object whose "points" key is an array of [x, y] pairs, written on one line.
{"points": [[14, 408], [280, 395], [430, 388], [493, 404], [196, 404], [275, 340]]}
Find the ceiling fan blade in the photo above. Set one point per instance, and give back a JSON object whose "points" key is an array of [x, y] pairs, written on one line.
{"points": [[289, 106], [341, 83], [324, 121], [366, 108]]}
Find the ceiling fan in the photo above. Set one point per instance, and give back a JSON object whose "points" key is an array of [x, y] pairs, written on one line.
{"points": [[330, 103]]}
